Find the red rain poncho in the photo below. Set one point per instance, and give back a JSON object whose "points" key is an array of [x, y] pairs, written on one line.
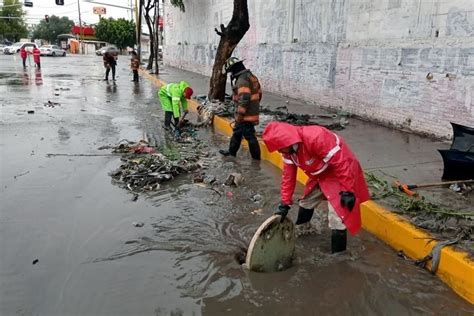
{"points": [[326, 160]]}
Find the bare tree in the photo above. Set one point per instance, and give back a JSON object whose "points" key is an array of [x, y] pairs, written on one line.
{"points": [[152, 22], [148, 6], [230, 37]]}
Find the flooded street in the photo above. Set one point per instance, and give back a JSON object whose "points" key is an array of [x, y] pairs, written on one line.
{"points": [[68, 246]]}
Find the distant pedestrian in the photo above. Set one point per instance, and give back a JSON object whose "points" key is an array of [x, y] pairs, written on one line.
{"points": [[36, 57], [174, 101], [23, 55], [135, 64], [110, 61]]}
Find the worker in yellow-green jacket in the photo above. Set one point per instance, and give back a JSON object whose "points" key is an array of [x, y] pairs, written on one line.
{"points": [[174, 102]]}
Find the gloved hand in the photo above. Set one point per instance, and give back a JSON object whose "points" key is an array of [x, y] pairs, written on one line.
{"points": [[347, 199], [282, 211]]}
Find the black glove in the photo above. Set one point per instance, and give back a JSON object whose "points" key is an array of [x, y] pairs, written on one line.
{"points": [[347, 199], [282, 211]]}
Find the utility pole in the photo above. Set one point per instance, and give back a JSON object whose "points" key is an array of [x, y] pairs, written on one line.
{"points": [[157, 34], [136, 26], [139, 29], [81, 33]]}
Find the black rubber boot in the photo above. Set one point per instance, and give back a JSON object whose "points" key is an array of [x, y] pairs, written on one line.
{"points": [[224, 152], [254, 149], [234, 145], [304, 215], [338, 240]]}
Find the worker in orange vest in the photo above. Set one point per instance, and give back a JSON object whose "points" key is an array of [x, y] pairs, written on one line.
{"points": [[246, 96], [36, 57], [135, 64]]}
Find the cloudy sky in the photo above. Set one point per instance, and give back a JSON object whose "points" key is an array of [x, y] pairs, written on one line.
{"points": [[69, 9]]}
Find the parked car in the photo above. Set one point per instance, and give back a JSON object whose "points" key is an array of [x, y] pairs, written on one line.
{"points": [[15, 48], [111, 49], [52, 50]]}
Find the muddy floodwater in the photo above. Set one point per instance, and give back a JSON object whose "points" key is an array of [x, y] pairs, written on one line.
{"points": [[68, 246]]}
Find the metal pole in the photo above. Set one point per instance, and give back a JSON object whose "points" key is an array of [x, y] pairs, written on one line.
{"points": [[139, 26], [163, 38], [81, 43], [136, 25], [157, 34]]}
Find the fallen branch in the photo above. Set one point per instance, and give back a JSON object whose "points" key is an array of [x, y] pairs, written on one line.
{"points": [[21, 174], [80, 155]]}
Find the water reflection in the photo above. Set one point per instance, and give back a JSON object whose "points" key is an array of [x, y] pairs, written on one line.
{"points": [[111, 88], [26, 77], [136, 89], [38, 77]]}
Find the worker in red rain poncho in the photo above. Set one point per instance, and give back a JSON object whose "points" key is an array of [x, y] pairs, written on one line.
{"points": [[334, 174], [23, 55]]}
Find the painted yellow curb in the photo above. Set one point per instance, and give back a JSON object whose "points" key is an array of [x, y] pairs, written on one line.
{"points": [[456, 269]]}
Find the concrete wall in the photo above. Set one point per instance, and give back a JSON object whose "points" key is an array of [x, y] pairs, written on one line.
{"points": [[407, 63]]}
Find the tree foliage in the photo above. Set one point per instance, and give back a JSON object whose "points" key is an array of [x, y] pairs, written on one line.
{"points": [[15, 28], [120, 32], [50, 31], [179, 4]]}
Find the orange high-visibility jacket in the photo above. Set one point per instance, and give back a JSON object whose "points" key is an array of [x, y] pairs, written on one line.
{"points": [[247, 95]]}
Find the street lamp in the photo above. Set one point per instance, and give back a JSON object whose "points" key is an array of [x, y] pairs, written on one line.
{"points": [[81, 31]]}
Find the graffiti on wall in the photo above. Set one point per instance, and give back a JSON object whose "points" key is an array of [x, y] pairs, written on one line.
{"points": [[452, 60], [460, 23]]}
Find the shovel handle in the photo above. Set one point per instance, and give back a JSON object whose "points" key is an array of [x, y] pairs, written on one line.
{"points": [[182, 119]]}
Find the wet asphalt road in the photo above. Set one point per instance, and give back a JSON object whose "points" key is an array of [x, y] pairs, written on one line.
{"points": [[68, 247]]}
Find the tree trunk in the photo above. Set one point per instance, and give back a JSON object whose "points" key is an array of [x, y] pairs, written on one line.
{"points": [[152, 40], [150, 5], [230, 37]]}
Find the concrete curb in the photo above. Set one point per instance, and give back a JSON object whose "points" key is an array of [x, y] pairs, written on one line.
{"points": [[456, 269]]}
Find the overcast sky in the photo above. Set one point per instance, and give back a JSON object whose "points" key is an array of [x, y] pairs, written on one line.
{"points": [[69, 9]]}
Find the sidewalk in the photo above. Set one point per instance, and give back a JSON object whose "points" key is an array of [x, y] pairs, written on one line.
{"points": [[408, 157], [395, 155]]}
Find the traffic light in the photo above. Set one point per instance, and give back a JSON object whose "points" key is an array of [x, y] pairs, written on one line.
{"points": [[59, 2], [28, 3], [46, 18]]}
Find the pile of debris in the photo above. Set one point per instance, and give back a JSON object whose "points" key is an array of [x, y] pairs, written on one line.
{"points": [[207, 109], [145, 167], [186, 133], [444, 222], [336, 121]]}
